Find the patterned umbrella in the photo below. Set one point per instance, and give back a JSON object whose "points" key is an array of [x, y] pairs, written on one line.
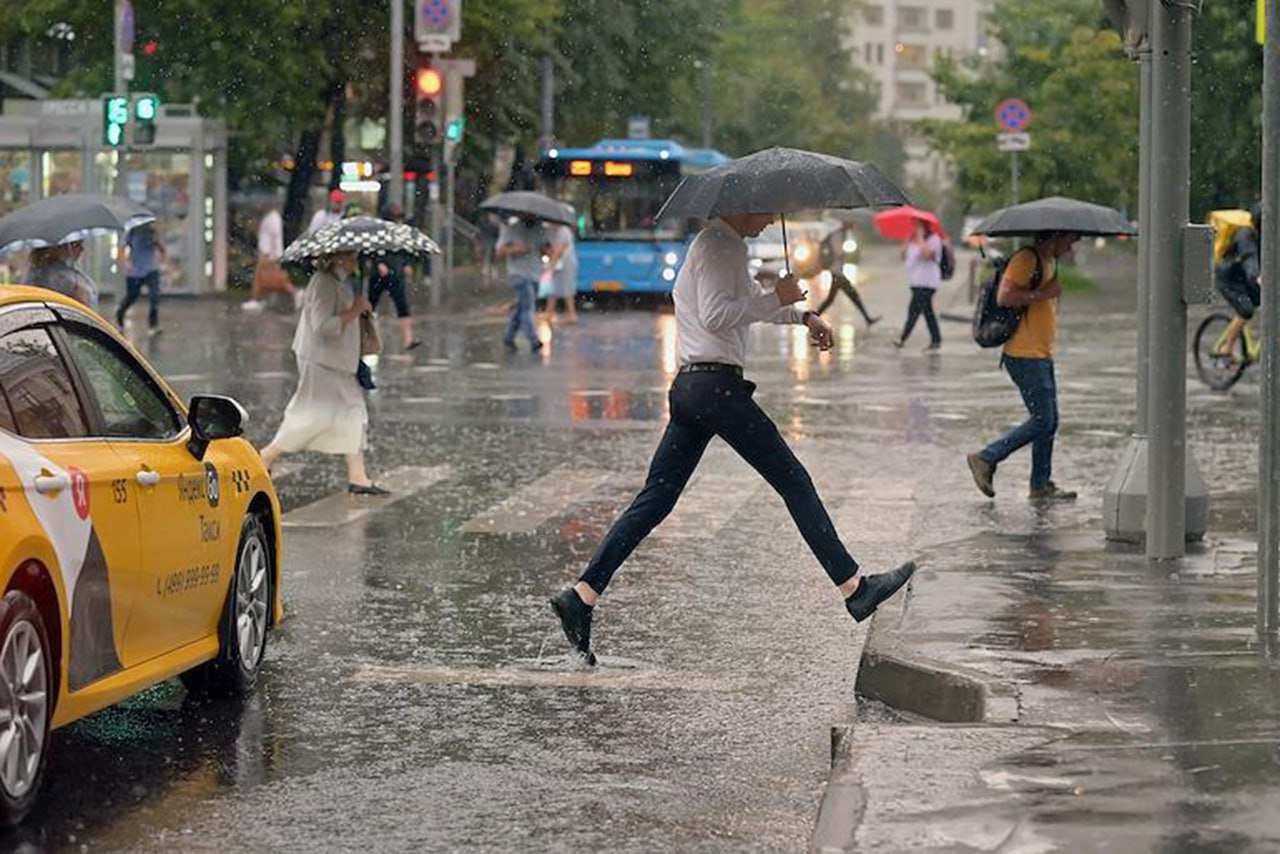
{"points": [[364, 235]]}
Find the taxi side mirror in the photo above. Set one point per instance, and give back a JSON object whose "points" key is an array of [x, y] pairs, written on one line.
{"points": [[213, 417]]}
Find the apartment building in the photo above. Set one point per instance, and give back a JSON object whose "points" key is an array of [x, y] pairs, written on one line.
{"points": [[897, 43]]}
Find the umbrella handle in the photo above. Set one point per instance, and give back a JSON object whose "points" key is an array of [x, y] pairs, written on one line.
{"points": [[786, 253]]}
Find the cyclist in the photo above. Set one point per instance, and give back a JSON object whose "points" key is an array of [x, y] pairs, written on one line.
{"points": [[1236, 278]]}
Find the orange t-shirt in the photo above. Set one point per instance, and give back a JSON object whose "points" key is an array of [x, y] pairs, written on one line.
{"points": [[1037, 334]]}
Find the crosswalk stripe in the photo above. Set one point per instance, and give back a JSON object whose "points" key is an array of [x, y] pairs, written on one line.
{"points": [[534, 503], [720, 488], [342, 508]]}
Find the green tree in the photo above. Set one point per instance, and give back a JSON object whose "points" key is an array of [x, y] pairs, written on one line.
{"points": [[1082, 90]]}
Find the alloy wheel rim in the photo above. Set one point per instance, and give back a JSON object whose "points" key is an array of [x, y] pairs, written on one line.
{"points": [[251, 602], [24, 708]]}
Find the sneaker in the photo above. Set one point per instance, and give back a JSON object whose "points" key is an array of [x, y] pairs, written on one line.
{"points": [[1051, 492], [983, 472], [898, 342], [877, 588], [154, 330], [933, 345], [252, 305], [872, 321], [510, 345], [575, 619], [536, 346], [367, 489]]}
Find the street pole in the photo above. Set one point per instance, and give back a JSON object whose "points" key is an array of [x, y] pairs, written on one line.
{"points": [[548, 100], [1268, 453], [1014, 181], [448, 227], [1167, 390], [433, 193], [119, 81], [395, 107]]}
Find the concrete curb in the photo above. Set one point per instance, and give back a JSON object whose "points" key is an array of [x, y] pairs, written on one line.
{"points": [[893, 673], [843, 800]]}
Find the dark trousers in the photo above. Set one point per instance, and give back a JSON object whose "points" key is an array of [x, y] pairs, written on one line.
{"points": [[133, 286], [704, 405], [1035, 380], [841, 284], [393, 285], [922, 303]]}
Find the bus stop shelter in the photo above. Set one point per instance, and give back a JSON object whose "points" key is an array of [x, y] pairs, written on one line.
{"points": [[49, 147]]}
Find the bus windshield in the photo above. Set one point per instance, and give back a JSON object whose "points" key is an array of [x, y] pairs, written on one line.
{"points": [[617, 208]]}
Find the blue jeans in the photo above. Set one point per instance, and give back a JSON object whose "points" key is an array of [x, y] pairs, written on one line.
{"points": [[133, 289], [521, 319], [705, 405], [1034, 378]]}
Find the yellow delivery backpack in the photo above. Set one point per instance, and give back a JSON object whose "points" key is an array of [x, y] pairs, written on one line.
{"points": [[1225, 224]]}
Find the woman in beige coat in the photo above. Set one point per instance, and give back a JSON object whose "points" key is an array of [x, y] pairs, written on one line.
{"points": [[327, 412]]}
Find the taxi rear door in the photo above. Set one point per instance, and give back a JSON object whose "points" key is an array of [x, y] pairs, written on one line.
{"points": [[181, 525], [78, 489]]}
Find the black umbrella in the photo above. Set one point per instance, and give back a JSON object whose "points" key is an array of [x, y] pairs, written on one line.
{"points": [[1056, 213], [525, 203], [782, 180], [364, 235], [66, 218]]}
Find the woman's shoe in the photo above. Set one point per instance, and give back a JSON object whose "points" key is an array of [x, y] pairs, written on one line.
{"points": [[367, 489], [898, 342], [413, 345]]}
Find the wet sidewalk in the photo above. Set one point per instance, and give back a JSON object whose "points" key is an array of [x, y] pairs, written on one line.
{"points": [[1040, 689]]}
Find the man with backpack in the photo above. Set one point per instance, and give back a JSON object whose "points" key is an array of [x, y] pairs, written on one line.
{"points": [[1237, 265], [1029, 286]]}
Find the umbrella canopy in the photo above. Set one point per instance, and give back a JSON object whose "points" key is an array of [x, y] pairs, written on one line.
{"points": [[67, 218], [782, 180], [896, 223], [1056, 213], [523, 203], [364, 235]]}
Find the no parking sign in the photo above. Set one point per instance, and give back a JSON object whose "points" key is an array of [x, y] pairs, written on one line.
{"points": [[1013, 115]]}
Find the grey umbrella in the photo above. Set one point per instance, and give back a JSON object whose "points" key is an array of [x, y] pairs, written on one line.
{"points": [[782, 180], [524, 203], [364, 235], [67, 218], [1056, 213]]}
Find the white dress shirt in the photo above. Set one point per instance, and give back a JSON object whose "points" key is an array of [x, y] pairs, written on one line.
{"points": [[716, 299], [271, 235]]}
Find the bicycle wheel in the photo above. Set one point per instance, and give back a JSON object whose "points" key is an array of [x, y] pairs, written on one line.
{"points": [[1218, 369]]}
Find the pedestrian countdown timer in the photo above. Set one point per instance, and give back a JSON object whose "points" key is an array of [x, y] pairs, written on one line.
{"points": [[115, 117], [1013, 115]]}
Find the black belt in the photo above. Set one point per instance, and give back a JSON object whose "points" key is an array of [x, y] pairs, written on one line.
{"points": [[698, 367]]}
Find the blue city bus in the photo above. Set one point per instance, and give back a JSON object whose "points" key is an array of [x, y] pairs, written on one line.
{"points": [[617, 187]]}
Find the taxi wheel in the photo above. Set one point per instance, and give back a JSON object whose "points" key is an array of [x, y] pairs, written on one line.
{"points": [[242, 629], [26, 679]]}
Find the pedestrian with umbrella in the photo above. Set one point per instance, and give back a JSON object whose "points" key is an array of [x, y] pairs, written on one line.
{"points": [[520, 244], [335, 328], [716, 301], [1030, 285], [919, 232], [54, 230]]}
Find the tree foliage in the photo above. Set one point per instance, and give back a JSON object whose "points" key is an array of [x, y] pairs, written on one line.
{"points": [[1083, 93]]}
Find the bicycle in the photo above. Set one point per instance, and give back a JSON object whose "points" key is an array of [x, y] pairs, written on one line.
{"points": [[1220, 369]]}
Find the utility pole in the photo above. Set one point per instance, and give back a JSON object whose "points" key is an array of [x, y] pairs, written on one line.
{"points": [[395, 107], [548, 101], [1167, 336], [1268, 453]]}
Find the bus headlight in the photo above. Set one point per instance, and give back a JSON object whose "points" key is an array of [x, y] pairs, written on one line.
{"points": [[850, 245], [671, 259], [669, 274]]}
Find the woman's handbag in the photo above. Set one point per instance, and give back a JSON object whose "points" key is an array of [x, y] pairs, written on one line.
{"points": [[370, 338]]}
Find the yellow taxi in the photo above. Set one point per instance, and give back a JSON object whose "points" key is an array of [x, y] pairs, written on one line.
{"points": [[139, 539]]}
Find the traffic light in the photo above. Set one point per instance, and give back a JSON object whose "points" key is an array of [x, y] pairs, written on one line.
{"points": [[115, 118], [428, 90], [146, 107]]}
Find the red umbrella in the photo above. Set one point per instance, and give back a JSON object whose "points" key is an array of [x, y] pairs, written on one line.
{"points": [[896, 223]]}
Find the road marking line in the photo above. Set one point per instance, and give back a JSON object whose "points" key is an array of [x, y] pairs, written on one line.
{"points": [[186, 378], [422, 400], [598, 677], [342, 508], [272, 375], [430, 369], [529, 507], [723, 486]]}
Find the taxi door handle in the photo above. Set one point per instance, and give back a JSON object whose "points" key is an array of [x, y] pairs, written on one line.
{"points": [[146, 477], [47, 483]]}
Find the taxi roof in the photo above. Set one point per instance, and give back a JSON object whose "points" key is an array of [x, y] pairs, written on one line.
{"points": [[13, 294]]}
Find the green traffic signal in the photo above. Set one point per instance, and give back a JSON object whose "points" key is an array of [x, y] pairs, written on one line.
{"points": [[453, 131], [115, 117]]}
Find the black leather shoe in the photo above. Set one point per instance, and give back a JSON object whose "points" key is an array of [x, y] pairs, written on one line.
{"points": [[575, 619], [370, 489], [877, 588]]}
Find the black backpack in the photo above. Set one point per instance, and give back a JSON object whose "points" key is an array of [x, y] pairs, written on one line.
{"points": [[947, 261], [994, 324]]}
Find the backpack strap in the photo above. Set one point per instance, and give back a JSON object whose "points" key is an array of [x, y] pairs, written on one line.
{"points": [[1036, 277]]}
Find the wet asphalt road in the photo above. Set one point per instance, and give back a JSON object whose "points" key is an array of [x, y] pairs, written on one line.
{"points": [[417, 696]]}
